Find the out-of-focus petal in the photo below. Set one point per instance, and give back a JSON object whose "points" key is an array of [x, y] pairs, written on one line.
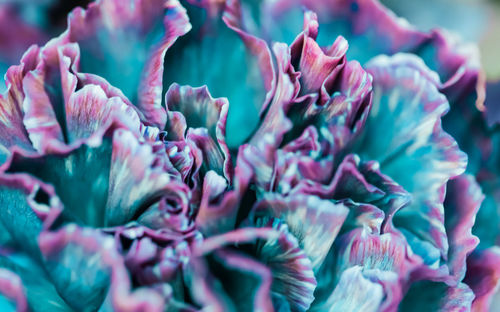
{"points": [[403, 133], [434, 296], [463, 199], [25, 282], [14, 43], [491, 103], [12, 296], [483, 276]]}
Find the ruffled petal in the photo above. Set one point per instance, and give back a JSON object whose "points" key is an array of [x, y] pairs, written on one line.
{"points": [[155, 256], [200, 110], [483, 276], [292, 270], [271, 243], [315, 222], [220, 41], [384, 258], [28, 202], [26, 285], [386, 252], [221, 204], [89, 110], [63, 106], [135, 179], [228, 281], [103, 282], [119, 186], [11, 106], [132, 38], [411, 146], [354, 292], [372, 29], [314, 64], [463, 199], [433, 296], [12, 296]]}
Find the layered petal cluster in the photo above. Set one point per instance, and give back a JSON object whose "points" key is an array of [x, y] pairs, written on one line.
{"points": [[237, 155]]}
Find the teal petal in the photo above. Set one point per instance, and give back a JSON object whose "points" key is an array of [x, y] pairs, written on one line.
{"points": [[435, 296], [403, 133], [202, 57], [354, 292]]}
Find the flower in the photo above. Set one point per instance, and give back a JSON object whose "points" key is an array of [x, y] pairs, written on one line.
{"points": [[246, 156]]}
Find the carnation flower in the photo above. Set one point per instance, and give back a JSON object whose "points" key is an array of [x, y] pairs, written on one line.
{"points": [[247, 156]]}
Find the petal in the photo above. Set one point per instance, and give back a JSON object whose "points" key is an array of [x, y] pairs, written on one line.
{"points": [[483, 276], [135, 179], [228, 281], [12, 297], [27, 203], [132, 38], [89, 110], [271, 243], [55, 112], [349, 105], [219, 210], [354, 292], [432, 296], [315, 222], [411, 146], [292, 271], [25, 282], [154, 256], [385, 252], [219, 42], [463, 199], [492, 109], [200, 110], [275, 123], [103, 280], [120, 175], [14, 44], [371, 29], [11, 104], [312, 62]]}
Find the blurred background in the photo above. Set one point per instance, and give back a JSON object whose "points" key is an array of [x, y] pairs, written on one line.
{"points": [[474, 20], [24, 22]]}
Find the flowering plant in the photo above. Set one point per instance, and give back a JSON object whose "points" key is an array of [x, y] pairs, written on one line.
{"points": [[237, 155]]}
